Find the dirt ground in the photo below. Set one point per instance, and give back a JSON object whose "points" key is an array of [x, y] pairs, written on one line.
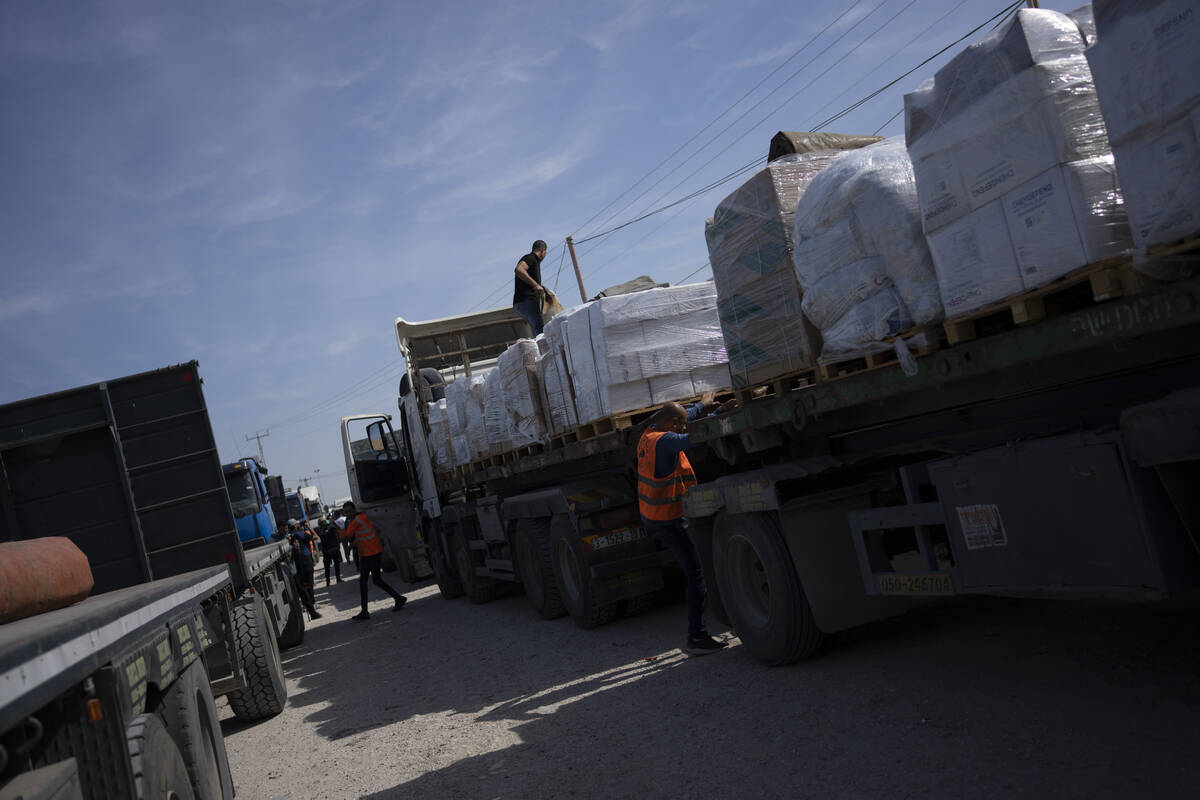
{"points": [[977, 698]]}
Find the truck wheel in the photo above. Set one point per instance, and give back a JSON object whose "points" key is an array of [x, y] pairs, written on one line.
{"points": [[447, 581], [760, 589], [578, 594], [293, 629], [258, 653], [191, 713], [158, 769], [531, 545], [478, 589]]}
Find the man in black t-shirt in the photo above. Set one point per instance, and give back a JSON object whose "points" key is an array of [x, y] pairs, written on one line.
{"points": [[528, 292]]}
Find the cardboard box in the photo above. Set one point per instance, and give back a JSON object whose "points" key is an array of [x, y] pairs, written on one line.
{"points": [[974, 260], [1160, 179]]}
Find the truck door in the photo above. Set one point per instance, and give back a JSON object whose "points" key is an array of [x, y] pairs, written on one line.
{"points": [[375, 466]]}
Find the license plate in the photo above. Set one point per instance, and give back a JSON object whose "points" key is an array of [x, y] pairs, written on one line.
{"points": [[930, 583], [624, 536]]}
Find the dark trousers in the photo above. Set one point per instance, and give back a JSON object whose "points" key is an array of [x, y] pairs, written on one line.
{"points": [[531, 310], [675, 536], [370, 565], [348, 549], [333, 557], [304, 583]]}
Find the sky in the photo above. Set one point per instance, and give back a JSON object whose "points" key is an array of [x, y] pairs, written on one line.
{"points": [[265, 187]]}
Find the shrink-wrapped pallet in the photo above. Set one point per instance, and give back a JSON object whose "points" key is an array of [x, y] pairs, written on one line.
{"points": [[439, 435], [495, 417], [1145, 62], [750, 249], [1004, 141], [458, 396], [646, 345], [517, 368], [558, 405], [860, 256]]}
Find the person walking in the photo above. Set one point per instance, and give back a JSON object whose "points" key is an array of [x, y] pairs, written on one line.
{"points": [[347, 545], [664, 475], [370, 557], [331, 551], [528, 292], [304, 546]]}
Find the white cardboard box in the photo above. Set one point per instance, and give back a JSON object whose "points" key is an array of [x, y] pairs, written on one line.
{"points": [[1160, 179], [974, 260], [1146, 64]]}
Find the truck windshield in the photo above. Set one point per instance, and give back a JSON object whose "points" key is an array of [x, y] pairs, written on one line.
{"points": [[242, 496], [294, 508]]}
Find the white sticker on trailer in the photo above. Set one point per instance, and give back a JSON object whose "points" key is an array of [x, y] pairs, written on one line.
{"points": [[981, 526]]}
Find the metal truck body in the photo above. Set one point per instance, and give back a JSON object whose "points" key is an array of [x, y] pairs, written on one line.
{"points": [[128, 470]]}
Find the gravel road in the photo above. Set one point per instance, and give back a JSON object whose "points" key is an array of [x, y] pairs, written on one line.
{"points": [[978, 698]]}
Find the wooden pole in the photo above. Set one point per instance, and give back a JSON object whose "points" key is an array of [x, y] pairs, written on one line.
{"points": [[578, 275]]}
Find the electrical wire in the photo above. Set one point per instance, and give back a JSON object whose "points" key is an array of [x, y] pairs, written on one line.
{"points": [[754, 88], [693, 272]]}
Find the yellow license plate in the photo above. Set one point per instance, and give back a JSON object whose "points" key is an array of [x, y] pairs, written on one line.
{"points": [[928, 583]]}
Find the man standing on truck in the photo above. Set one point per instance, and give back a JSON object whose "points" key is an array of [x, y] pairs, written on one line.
{"points": [[304, 546], [664, 475], [528, 292], [370, 557]]}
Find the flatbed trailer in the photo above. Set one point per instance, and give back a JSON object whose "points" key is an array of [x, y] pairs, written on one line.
{"points": [[1049, 459], [102, 698]]}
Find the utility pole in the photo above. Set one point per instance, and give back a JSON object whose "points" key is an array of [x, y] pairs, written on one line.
{"points": [[262, 462], [1032, 3], [578, 274], [305, 481]]}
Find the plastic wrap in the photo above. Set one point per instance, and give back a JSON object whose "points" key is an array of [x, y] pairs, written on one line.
{"points": [[749, 246], [557, 404], [1085, 20], [575, 333], [524, 420], [457, 398], [646, 343], [495, 417], [1145, 62], [473, 409], [439, 435], [1005, 110], [858, 233]]}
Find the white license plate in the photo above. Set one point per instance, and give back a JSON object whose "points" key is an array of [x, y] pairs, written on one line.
{"points": [[928, 583], [624, 536]]}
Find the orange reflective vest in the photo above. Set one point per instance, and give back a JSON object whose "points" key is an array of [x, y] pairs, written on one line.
{"points": [[366, 538], [661, 499]]}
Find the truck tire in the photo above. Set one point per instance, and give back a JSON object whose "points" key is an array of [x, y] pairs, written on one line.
{"points": [[443, 571], [158, 769], [265, 691], [760, 589], [293, 629], [578, 594], [477, 588], [191, 714], [531, 546]]}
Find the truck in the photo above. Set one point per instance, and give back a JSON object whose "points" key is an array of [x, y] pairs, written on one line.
{"points": [[115, 694], [303, 504], [245, 480], [1046, 457]]}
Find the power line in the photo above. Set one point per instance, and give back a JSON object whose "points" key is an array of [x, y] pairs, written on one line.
{"points": [[693, 272], [714, 121]]}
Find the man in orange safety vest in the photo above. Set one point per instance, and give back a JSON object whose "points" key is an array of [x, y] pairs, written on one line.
{"points": [[664, 476], [365, 536]]}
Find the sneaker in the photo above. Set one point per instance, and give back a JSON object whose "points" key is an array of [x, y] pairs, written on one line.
{"points": [[703, 646], [400, 603], [314, 615], [361, 615]]}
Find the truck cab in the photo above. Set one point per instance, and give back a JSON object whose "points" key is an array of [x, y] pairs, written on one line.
{"points": [[245, 481]]}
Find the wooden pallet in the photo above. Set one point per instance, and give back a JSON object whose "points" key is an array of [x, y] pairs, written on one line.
{"points": [[629, 419], [1186, 245], [788, 382], [1095, 283], [920, 342]]}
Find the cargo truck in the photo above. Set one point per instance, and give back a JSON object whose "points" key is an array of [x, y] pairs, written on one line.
{"points": [[246, 483], [1050, 457], [113, 695]]}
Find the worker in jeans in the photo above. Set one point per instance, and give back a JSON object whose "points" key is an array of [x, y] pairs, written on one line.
{"points": [[370, 555], [528, 292], [304, 548], [664, 475]]}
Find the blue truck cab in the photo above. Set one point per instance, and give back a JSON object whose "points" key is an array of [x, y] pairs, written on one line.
{"points": [[245, 481]]}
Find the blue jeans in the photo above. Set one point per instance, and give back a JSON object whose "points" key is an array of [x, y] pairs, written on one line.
{"points": [[675, 536], [531, 309]]}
